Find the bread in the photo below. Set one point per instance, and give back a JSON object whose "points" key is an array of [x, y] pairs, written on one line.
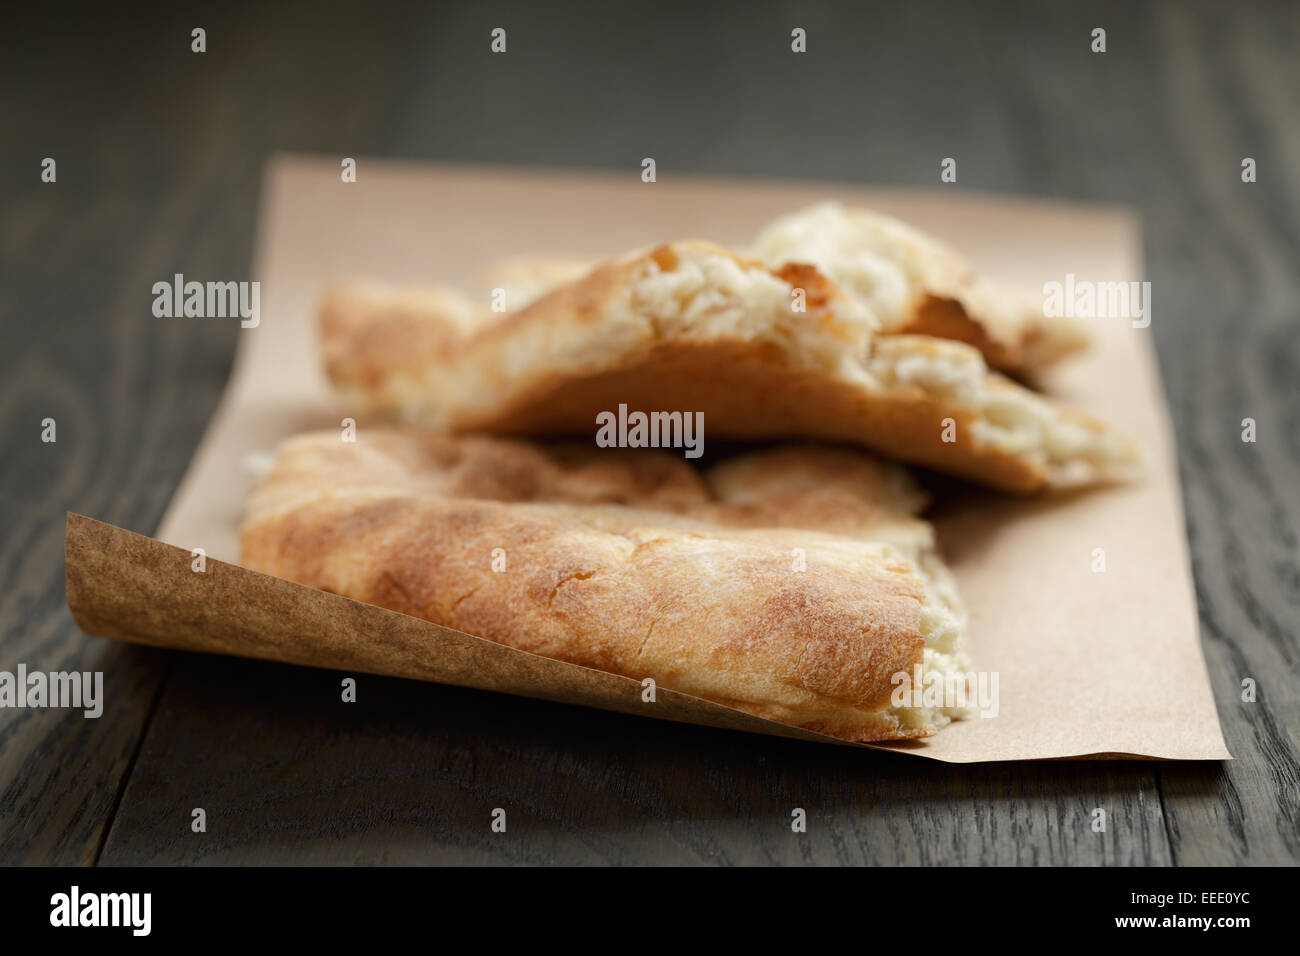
{"points": [[916, 285], [692, 327], [633, 563], [525, 279], [373, 334], [912, 282]]}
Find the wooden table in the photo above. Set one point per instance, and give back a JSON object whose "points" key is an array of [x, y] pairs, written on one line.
{"points": [[158, 154]]}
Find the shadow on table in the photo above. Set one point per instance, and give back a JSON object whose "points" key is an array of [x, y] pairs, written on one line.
{"points": [[286, 772]]}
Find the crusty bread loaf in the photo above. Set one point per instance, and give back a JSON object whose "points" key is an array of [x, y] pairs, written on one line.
{"points": [[793, 584]]}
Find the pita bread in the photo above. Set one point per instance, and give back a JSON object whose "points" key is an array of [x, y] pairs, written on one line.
{"points": [[371, 334], [633, 563], [917, 285], [912, 282], [525, 279], [692, 327]]}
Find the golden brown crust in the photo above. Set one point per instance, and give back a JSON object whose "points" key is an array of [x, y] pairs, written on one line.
{"points": [[950, 298], [1011, 331], [525, 279], [626, 563], [751, 394], [946, 318], [692, 327], [374, 337]]}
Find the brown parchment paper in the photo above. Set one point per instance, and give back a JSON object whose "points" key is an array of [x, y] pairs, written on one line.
{"points": [[1087, 663]]}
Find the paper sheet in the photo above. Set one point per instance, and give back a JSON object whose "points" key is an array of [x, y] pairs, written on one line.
{"points": [[1088, 662]]}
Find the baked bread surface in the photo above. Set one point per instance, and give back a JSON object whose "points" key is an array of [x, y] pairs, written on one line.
{"points": [[792, 583], [762, 353]]}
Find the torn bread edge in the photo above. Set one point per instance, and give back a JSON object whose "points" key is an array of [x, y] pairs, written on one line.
{"points": [[911, 282], [915, 284], [895, 394]]}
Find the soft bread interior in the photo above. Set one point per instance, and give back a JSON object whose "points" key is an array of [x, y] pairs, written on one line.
{"points": [[646, 319], [876, 260], [761, 352], [696, 289], [911, 282], [717, 294], [914, 283], [943, 622], [1068, 447]]}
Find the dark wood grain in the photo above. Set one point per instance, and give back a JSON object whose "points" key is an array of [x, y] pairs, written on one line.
{"points": [[160, 153], [289, 773]]}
